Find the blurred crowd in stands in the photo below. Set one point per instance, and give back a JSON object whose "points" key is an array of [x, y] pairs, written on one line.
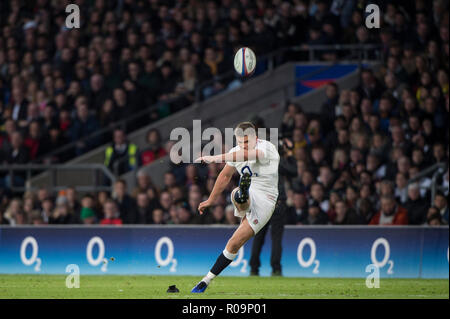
{"points": [[354, 158]]}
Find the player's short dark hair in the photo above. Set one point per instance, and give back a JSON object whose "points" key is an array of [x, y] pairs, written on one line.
{"points": [[245, 128]]}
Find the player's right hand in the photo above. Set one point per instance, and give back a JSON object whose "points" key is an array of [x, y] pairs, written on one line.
{"points": [[203, 206]]}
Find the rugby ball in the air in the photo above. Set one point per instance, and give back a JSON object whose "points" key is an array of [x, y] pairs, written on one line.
{"points": [[245, 61]]}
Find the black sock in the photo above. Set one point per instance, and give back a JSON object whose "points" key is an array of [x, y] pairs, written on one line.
{"points": [[221, 263]]}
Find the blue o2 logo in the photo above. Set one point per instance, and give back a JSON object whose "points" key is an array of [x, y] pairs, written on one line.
{"points": [[165, 241], [312, 257], [387, 252], [33, 259], [96, 241]]}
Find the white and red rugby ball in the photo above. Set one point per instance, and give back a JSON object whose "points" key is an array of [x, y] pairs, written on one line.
{"points": [[245, 61]]}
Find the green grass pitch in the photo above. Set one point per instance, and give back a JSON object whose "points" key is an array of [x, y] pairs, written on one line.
{"points": [[155, 287]]}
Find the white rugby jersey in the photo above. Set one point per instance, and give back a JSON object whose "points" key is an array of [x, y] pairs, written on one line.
{"points": [[264, 171]]}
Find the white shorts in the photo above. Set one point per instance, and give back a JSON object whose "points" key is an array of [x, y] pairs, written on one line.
{"points": [[262, 206]]}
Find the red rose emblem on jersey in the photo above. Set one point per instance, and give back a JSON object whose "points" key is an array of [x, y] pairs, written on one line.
{"points": [[255, 221]]}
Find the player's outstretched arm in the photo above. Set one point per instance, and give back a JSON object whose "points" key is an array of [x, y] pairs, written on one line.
{"points": [[237, 156], [221, 182]]}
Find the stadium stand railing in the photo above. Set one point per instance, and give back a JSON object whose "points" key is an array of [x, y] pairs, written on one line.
{"points": [[435, 171]]}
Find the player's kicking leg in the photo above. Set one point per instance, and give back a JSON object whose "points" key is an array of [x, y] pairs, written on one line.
{"points": [[240, 197]]}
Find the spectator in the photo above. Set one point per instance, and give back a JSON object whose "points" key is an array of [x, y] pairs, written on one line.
{"points": [[62, 214], [441, 203], [177, 193], [87, 201], [375, 167], [106, 114], [72, 202], [101, 199], [34, 140], [172, 215], [328, 110], [346, 215], [192, 176], [154, 150], [318, 196], [53, 140], [88, 216], [168, 80], [144, 209], [47, 209], [416, 206], [326, 178], [83, 126], [370, 87], [121, 104], [218, 213], [3, 220], [169, 180], [334, 198], [316, 216], [434, 217], [401, 189], [439, 153], [385, 188], [390, 214], [144, 183], [185, 216], [14, 212], [165, 202], [332, 141], [16, 154], [351, 196], [399, 140], [364, 209], [19, 105], [125, 202], [194, 200], [121, 156], [158, 216], [340, 159], [98, 93], [111, 214], [35, 218], [418, 158]]}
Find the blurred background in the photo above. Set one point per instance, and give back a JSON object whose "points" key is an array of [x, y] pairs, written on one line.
{"points": [[86, 114]]}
